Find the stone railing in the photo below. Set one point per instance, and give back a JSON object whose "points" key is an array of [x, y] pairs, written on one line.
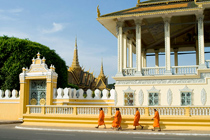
{"points": [[129, 71], [208, 63], [153, 71], [68, 93], [9, 95], [199, 111], [175, 111], [180, 70], [110, 110]]}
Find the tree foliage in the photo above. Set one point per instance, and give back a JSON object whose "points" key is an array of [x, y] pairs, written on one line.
{"points": [[17, 53]]}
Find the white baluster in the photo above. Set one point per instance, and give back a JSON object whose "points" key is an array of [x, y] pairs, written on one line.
{"points": [[89, 94], [97, 94], [66, 93], [60, 93], [105, 93]]}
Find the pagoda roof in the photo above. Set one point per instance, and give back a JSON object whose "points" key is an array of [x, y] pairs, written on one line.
{"points": [[183, 22], [153, 7]]}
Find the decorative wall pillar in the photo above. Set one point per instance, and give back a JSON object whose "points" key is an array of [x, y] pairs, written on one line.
{"points": [[200, 18], [130, 58], [120, 46], [138, 47], [124, 51], [167, 45], [156, 58]]}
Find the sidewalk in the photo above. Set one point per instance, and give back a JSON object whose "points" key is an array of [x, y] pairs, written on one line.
{"points": [[9, 122], [124, 131]]}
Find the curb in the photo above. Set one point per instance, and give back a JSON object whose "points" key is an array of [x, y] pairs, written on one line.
{"points": [[116, 132], [10, 122]]}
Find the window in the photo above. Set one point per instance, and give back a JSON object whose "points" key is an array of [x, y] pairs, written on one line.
{"points": [[185, 98], [153, 99], [128, 99]]}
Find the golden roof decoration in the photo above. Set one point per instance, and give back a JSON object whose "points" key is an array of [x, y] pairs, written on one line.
{"points": [[98, 12]]}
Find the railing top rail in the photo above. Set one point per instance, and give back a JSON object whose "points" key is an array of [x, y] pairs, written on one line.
{"points": [[128, 68], [153, 67], [207, 60], [191, 66], [112, 106]]}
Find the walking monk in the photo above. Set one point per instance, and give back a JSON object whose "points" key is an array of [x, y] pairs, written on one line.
{"points": [[156, 119], [117, 120], [136, 120], [101, 119]]}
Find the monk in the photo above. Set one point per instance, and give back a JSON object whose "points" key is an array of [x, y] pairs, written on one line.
{"points": [[156, 119], [101, 118], [117, 120], [136, 120]]}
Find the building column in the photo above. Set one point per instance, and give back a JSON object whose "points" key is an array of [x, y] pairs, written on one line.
{"points": [[138, 47], [124, 51], [167, 45], [156, 58], [200, 18], [130, 58], [120, 46]]}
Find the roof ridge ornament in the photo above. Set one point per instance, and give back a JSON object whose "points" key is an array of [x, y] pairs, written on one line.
{"points": [[98, 11], [138, 1]]}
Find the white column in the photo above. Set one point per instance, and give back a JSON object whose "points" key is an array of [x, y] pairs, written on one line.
{"points": [[130, 54], [167, 45], [138, 47], [200, 18], [156, 58], [120, 43], [124, 51]]}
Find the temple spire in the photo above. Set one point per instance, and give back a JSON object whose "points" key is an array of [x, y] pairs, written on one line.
{"points": [[75, 62], [102, 69]]}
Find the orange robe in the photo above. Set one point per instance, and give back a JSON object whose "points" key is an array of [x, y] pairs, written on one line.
{"points": [[136, 119], [117, 119], [156, 120], [101, 118]]}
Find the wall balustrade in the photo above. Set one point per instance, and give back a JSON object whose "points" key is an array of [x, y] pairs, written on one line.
{"points": [[129, 71], [147, 71], [110, 110], [9, 95], [68, 93], [180, 70], [199, 111]]}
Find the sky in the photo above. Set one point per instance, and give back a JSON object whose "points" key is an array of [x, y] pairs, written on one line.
{"points": [[56, 23]]}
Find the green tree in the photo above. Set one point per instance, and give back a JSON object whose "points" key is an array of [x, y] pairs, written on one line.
{"points": [[17, 53]]}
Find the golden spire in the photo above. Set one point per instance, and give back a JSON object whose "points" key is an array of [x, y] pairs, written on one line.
{"points": [[75, 62], [102, 70], [98, 12]]}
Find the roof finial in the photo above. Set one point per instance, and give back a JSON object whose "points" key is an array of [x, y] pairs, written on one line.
{"points": [[75, 43], [138, 1], [98, 12], [102, 69]]}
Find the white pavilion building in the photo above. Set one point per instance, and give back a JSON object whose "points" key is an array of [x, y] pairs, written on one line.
{"points": [[161, 27]]}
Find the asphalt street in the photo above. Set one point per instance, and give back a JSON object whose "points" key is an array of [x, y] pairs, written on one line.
{"points": [[9, 132]]}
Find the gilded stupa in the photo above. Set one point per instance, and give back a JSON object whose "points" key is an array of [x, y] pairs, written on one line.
{"points": [[84, 79]]}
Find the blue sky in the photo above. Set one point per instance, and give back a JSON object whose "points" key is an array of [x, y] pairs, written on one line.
{"points": [[55, 23]]}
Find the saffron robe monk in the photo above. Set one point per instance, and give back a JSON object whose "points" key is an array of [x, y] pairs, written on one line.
{"points": [[117, 120], [156, 119], [136, 120], [101, 118]]}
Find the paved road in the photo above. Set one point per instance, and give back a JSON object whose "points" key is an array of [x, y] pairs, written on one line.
{"points": [[9, 132]]}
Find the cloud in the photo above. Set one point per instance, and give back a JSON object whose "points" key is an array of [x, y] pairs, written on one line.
{"points": [[56, 28]]}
